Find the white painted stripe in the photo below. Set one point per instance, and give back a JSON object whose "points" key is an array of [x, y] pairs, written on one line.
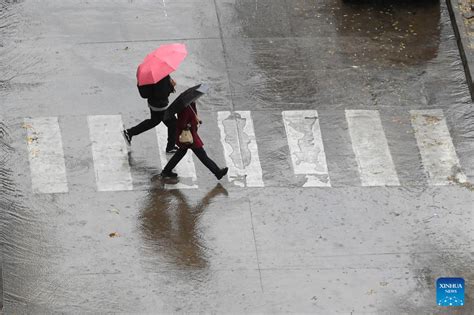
{"points": [[110, 153], [240, 148], [46, 155], [185, 168], [306, 147], [371, 148], [436, 147], [232, 155]]}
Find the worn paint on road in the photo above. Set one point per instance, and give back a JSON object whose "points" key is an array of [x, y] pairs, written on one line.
{"points": [[371, 148], [438, 154], [46, 155], [306, 147], [240, 148], [110, 153]]}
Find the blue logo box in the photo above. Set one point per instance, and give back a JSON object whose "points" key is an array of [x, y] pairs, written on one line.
{"points": [[450, 291]]}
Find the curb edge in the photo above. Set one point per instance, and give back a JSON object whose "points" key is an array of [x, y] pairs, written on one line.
{"points": [[462, 41]]}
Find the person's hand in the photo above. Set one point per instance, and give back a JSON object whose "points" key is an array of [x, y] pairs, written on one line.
{"points": [[173, 84]]}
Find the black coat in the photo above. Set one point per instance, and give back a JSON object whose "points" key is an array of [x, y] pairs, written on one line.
{"points": [[158, 93]]}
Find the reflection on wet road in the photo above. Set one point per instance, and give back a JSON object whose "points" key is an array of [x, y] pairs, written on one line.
{"points": [[347, 128], [170, 227]]}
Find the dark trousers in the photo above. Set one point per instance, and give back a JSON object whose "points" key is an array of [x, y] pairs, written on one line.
{"points": [[155, 119], [200, 153]]}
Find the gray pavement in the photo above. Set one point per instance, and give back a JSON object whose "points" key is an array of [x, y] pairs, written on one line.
{"points": [[280, 248]]}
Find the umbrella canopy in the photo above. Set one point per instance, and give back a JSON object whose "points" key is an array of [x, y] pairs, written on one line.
{"points": [[160, 63], [186, 98]]}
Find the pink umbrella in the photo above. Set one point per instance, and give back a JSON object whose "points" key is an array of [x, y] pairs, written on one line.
{"points": [[159, 63]]}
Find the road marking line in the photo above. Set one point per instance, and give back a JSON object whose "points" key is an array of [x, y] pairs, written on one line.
{"points": [[110, 153], [371, 148], [438, 154], [240, 148], [46, 155], [306, 147], [185, 167]]}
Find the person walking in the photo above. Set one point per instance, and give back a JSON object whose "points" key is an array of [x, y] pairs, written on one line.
{"points": [[188, 120], [158, 103]]}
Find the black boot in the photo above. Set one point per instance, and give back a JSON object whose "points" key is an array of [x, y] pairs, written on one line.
{"points": [[127, 137], [222, 172], [168, 174]]}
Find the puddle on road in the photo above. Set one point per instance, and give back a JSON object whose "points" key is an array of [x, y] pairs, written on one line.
{"points": [[391, 33], [368, 33]]}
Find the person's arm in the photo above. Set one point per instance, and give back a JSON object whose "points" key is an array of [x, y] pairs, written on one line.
{"points": [[194, 115]]}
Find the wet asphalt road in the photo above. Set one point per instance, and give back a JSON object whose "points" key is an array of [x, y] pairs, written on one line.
{"points": [[223, 248]]}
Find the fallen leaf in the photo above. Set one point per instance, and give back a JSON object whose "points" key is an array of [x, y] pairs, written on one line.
{"points": [[31, 139], [462, 183], [431, 119], [114, 210]]}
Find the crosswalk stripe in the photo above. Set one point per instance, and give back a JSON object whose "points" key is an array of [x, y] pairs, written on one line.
{"points": [[110, 153], [306, 147], [185, 167], [240, 148], [438, 154], [371, 148], [237, 135], [46, 155]]}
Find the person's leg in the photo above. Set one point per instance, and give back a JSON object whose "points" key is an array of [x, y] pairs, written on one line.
{"points": [[174, 160], [171, 124], [147, 124], [202, 156]]}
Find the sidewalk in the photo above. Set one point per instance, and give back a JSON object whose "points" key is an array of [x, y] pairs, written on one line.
{"points": [[462, 18]]}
